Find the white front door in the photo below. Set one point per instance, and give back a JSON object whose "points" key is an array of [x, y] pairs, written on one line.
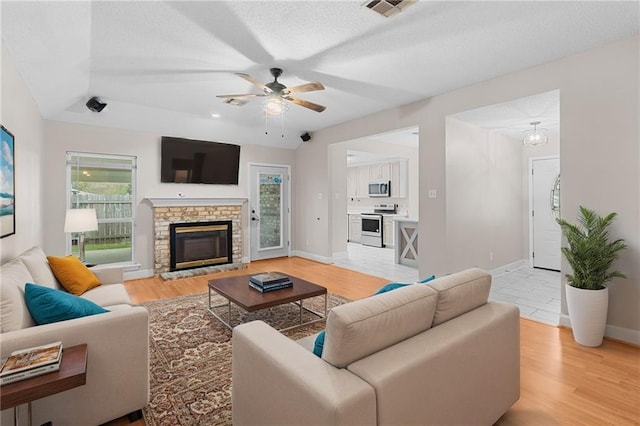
{"points": [[546, 233], [269, 211]]}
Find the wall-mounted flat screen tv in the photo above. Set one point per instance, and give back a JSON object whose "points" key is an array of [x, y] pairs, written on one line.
{"points": [[193, 161]]}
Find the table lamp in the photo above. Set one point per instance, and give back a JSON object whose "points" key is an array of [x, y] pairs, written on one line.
{"points": [[81, 221]]}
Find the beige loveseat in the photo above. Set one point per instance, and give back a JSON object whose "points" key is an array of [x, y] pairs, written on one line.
{"points": [[424, 354], [117, 344]]}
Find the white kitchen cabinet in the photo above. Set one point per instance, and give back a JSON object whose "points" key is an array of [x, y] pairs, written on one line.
{"points": [[399, 179], [355, 228], [352, 182], [380, 171], [387, 231], [363, 181], [358, 182]]}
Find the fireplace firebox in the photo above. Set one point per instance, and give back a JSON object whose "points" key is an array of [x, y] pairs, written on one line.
{"points": [[198, 244]]}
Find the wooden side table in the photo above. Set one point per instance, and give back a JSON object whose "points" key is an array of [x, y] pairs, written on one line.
{"points": [[72, 373]]}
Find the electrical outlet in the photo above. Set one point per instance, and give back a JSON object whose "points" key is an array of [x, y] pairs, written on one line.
{"points": [[433, 193]]}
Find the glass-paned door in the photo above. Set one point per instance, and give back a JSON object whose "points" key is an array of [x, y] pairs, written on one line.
{"points": [[269, 212], [105, 183]]}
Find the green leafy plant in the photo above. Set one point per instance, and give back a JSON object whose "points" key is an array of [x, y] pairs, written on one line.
{"points": [[590, 253]]}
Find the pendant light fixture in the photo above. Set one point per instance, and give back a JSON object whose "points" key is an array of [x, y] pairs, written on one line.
{"points": [[535, 136]]}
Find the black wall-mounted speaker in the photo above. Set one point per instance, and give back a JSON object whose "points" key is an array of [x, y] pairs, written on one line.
{"points": [[306, 137], [95, 105]]}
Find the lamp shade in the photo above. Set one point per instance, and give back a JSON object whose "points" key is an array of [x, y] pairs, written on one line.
{"points": [[81, 220]]}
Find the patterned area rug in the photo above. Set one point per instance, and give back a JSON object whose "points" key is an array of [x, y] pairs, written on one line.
{"points": [[190, 356]]}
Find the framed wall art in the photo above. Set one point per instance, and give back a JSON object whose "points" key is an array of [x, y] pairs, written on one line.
{"points": [[7, 183]]}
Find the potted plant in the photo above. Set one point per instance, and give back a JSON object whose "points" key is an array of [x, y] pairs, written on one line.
{"points": [[591, 255]]}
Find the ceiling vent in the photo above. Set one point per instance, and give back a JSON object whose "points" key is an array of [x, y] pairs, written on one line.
{"points": [[388, 7]]}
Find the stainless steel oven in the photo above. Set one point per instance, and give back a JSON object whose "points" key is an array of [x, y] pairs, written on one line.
{"points": [[372, 230]]}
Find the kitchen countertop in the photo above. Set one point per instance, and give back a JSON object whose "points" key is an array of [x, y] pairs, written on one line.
{"points": [[359, 212]]}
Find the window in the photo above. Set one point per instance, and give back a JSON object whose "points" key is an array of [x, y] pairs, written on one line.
{"points": [[106, 183]]}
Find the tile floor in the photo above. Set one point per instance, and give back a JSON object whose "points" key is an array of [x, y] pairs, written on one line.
{"points": [[535, 291], [378, 261]]}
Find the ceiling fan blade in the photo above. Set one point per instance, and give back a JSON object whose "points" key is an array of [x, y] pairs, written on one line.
{"points": [[306, 104], [245, 95], [254, 82], [307, 87]]}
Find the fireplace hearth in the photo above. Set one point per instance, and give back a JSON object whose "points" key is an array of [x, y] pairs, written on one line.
{"points": [[198, 244]]}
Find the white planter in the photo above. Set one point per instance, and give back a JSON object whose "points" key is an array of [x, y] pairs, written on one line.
{"points": [[588, 314]]}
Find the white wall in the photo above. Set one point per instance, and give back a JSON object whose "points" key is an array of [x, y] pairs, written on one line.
{"points": [[311, 218], [599, 155], [483, 196], [63, 137], [19, 114]]}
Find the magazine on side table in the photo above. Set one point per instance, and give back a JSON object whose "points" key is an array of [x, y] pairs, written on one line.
{"points": [[31, 362]]}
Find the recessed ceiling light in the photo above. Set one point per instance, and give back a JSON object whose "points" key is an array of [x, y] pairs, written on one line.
{"points": [[214, 115]]}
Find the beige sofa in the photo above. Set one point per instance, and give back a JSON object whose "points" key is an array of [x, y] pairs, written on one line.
{"points": [[117, 344], [425, 354]]}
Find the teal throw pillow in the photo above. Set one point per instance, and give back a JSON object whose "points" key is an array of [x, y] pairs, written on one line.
{"points": [[319, 344], [391, 286], [48, 305]]}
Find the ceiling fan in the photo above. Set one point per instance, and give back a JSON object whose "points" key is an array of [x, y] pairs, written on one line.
{"points": [[277, 90]]}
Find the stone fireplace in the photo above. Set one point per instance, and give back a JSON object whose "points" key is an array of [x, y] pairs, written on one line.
{"points": [[174, 213]]}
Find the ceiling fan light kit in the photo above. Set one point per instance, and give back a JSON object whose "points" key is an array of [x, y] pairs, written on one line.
{"points": [[278, 92], [275, 106], [535, 136]]}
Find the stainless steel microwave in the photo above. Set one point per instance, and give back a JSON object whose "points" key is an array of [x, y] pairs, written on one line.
{"points": [[380, 189]]}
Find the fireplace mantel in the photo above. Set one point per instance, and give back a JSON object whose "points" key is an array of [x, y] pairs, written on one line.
{"points": [[184, 201]]}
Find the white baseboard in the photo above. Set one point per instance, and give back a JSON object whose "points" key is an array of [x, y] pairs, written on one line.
{"points": [[611, 331], [311, 256], [139, 273], [510, 267], [340, 255]]}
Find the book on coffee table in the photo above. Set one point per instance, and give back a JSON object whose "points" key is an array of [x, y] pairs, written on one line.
{"points": [[270, 287], [31, 362], [268, 278]]}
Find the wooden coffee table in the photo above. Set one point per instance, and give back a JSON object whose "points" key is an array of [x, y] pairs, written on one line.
{"points": [[237, 290]]}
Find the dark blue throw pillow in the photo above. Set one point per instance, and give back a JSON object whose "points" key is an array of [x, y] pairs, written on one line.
{"points": [[48, 305]]}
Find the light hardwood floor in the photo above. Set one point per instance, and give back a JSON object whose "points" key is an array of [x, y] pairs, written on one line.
{"points": [[562, 383]]}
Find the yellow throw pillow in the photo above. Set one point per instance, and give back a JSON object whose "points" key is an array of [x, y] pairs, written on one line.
{"points": [[72, 274]]}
